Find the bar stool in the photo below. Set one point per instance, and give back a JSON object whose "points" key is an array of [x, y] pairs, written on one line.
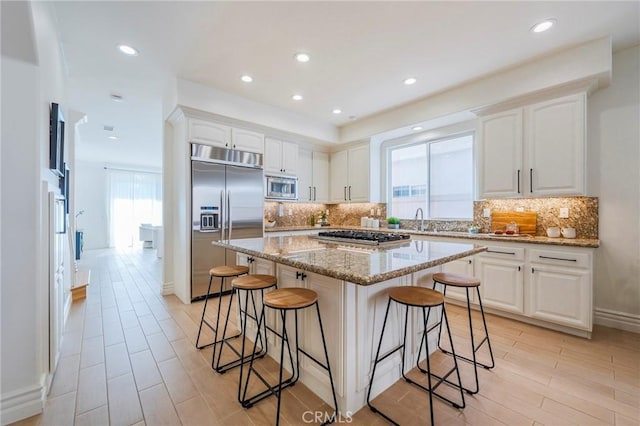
{"points": [[221, 272], [424, 298], [284, 300], [468, 283]]}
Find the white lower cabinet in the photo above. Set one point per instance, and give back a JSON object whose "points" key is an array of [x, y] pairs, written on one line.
{"points": [[256, 265], [551, 285], [502, 283], [560, 288]]}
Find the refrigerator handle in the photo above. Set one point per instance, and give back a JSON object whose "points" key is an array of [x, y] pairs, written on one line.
{"points": [[229, 219], [222, 215]]}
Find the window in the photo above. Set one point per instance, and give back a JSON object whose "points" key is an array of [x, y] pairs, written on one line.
{"points": [[436, 176], [135, 198]]}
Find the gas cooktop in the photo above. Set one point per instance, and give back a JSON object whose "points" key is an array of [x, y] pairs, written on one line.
{"points": [[362, 237]]}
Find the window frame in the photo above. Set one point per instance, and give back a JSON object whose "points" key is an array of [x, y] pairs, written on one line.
{"points": [[427, 138]]}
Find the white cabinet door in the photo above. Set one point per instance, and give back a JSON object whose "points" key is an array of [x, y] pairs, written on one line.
{"points": [[320, 177], [280, 157], [461, 267], [305, 176], [245, 140], [339, 176], [561, 295], [555, 141], [290, 158], [502, 283], [500, 155], [208, 133], [358, 174], [272, 155]]}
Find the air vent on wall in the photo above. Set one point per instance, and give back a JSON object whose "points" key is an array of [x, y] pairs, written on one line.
{"points": [[108, 128], [117, 98]]}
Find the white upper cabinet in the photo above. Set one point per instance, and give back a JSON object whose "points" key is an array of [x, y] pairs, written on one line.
{"points": [[245, 140], [556, 146], [214, 134], [350, 175], [209, 133], [500, 154], [280, 157], [537, 150], [313, 176]]}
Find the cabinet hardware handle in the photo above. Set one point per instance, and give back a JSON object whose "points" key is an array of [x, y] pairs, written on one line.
{"points": [[345, 193], [532, 270], [518, 181], [470, 262], [558, 258], [314, 193], [519, 268], [310, 198], [301, 275], [501, 252], [531, 180], [349, 192]]}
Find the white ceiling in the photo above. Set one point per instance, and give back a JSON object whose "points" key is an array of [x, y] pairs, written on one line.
{"points": [[360, 54]]}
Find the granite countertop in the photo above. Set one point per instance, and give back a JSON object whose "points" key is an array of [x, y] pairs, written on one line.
{"points": [[359, 264], [533, 239]]}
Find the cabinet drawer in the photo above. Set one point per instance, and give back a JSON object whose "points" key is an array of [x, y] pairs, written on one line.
{"points": [[557, 257], [504, 252]]}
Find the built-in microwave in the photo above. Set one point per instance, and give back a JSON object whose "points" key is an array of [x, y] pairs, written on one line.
{"points": [[280, 187]]}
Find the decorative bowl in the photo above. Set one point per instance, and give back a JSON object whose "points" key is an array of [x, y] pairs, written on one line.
{"points": [[268, 224]]}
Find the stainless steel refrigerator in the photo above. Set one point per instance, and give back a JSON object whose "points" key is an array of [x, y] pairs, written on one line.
{"points": [[227, 203]]}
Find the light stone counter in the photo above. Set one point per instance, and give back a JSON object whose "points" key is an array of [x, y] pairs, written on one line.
{"points": [[359, 264], [533, 239]]}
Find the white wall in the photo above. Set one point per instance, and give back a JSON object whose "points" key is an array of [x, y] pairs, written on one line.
{"points": [[613, 176], [27, 92], [91, 196]]}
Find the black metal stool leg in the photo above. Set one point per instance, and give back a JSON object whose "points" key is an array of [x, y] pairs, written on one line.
{"points": [[326, 355], [486, 333], [204, 321]]}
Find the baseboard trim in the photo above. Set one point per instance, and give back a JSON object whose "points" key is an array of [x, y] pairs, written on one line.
{"points": [[616, 319], [167, 288], [21, 404]]}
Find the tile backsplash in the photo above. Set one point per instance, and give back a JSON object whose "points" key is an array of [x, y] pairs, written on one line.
{"points": [[339, 214], [583, 213]]}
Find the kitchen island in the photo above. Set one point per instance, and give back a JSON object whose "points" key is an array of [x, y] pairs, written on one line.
{"points": [[351, 281]]}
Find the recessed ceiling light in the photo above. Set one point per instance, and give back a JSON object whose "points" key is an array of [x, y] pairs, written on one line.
{"points": [[543, 25], [116, 98], [296, 97], [113, 138], [128, 50], [246, 78], [108, 127], [416, 128], [409, 81], [337, 111], [302, 57]]}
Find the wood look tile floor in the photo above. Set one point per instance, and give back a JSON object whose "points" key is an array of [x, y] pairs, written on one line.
{"points": [[128, 358]]}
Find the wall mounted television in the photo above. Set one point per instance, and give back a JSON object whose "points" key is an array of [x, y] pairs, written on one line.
{"points": [[56, 140]]}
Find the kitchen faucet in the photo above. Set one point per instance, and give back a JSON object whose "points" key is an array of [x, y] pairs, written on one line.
{"points": [[421, 218]]}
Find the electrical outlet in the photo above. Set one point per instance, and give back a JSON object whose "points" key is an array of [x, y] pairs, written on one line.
{"points": [[564, 212], [290, 212], [486, 212]]}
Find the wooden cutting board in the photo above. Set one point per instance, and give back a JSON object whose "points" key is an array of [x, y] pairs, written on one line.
{"points": [[525, 220]]}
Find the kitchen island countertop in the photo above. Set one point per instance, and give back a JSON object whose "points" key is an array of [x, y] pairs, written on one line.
{"points": [[355, 263], [530, 239]]}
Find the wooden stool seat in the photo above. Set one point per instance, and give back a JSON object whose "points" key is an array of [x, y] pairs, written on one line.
{"points": [[455, 280], [254, 282], [290, 298], [416, 296], [228, 271]]}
